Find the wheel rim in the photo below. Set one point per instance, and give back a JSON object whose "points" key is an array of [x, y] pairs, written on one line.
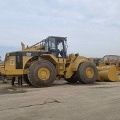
{"points": [[89, 72], [43, 73]]}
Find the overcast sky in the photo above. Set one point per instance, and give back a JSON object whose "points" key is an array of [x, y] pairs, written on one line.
{"points": [[92, 27]]}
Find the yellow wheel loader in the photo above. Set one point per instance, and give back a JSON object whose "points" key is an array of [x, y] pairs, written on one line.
{"points": [[108, 68], [42, 62], [112, 60]]}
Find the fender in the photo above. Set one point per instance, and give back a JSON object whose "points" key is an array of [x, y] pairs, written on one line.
{"points": [[77, 62]]}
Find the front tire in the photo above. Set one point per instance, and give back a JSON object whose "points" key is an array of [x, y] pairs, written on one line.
{"points": [[87, 73], [42, 73]]}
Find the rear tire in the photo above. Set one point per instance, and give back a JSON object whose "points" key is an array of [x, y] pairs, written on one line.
{"points": [[87, 73], [42, 73]]}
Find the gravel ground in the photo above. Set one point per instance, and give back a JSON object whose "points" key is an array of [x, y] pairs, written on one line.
{"points": [[62, 101]]}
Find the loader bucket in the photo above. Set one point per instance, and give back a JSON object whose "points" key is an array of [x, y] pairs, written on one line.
{"points": [[107, 73]]}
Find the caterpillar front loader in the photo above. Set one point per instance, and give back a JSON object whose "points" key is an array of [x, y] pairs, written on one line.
{"points": [[112, 60], [108, 68], [41, 63]]}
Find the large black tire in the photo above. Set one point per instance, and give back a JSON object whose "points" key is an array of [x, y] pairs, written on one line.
{"points": [[42, 73], [26, 80], [87, 73]]}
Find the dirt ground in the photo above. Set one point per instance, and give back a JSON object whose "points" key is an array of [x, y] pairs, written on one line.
{"points": [[62, 101]]}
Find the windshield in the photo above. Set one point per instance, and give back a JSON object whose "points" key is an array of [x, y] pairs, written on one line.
{"points": [[52, 44]]}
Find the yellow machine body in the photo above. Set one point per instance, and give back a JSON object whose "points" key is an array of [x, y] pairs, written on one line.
{"points": [[10, 64]]}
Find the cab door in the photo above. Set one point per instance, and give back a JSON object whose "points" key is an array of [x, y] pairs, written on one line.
{"points": [[61, 55]]}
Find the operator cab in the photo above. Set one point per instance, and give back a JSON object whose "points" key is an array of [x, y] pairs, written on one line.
{"points": [[56, 46]]}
